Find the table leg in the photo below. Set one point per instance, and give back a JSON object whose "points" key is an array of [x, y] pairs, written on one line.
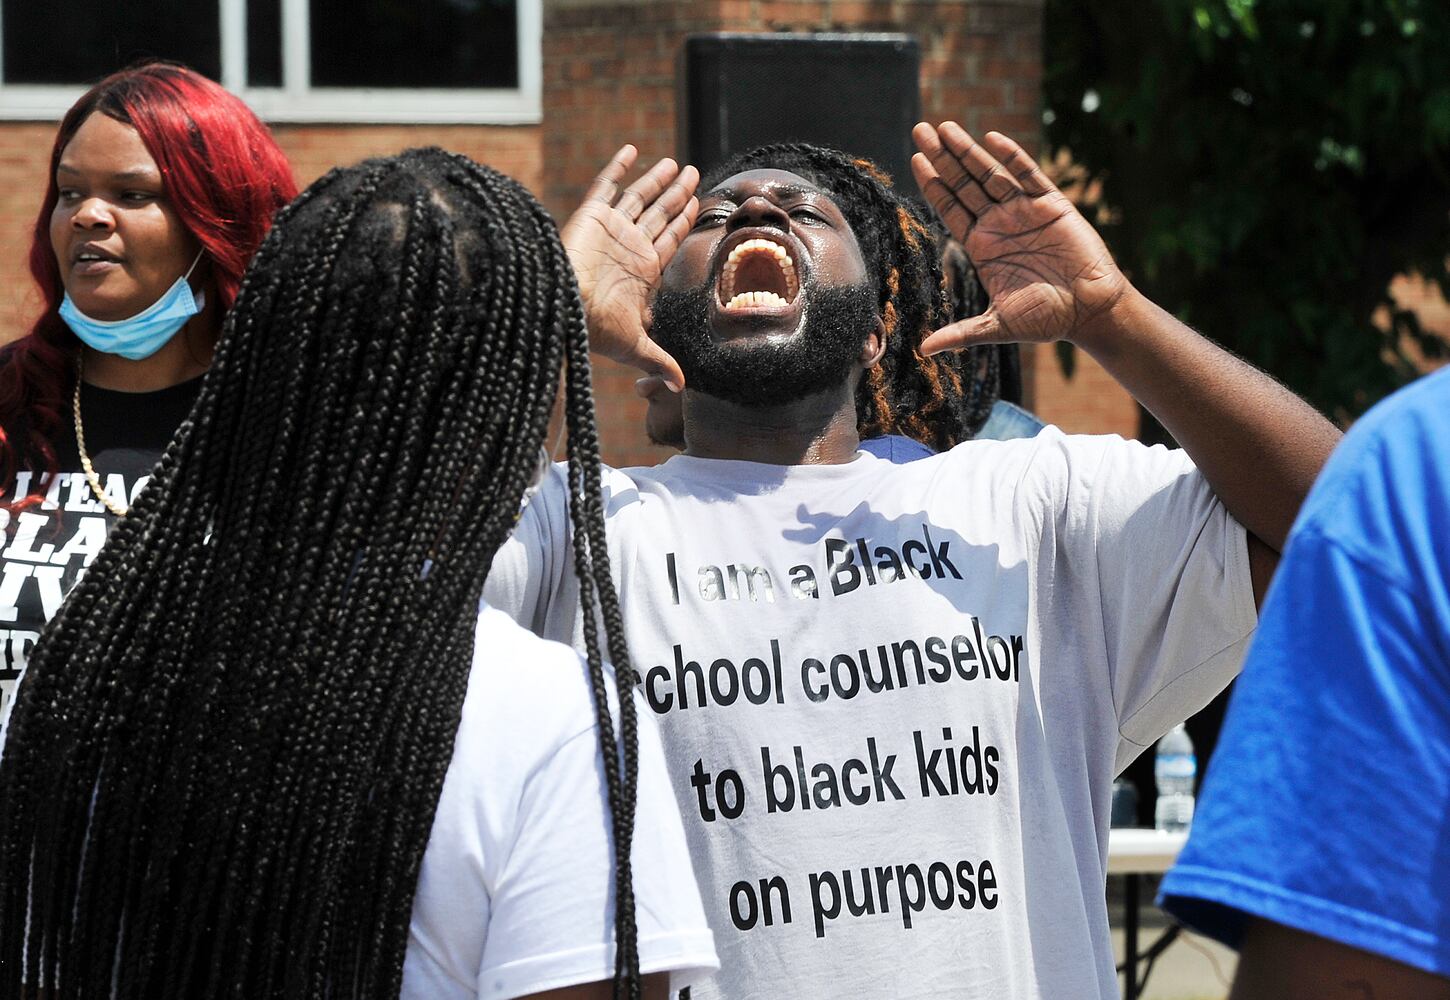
{"points": [[1130, 937]]}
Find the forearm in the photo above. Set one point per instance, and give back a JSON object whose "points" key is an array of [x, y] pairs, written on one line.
{"points": [[1277, 961], [1258, 445]]}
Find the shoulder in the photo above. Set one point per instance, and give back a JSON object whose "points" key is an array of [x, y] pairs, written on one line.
{"points": [[1094, 449], [33, 395], [1381, 497], [1051, 443], [620, 488], [1055, 463], [1404, 433], [527, 699], [528, 704], [515, 889], [1421, 407], [520, 680]]}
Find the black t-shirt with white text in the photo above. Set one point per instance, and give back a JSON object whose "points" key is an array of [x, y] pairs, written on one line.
{"points": [[48, 544]]}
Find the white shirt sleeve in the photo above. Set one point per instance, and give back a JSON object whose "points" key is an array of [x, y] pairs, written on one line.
{"points": [[1169, 566], [532, 578], [533, 564], [516, 890]]}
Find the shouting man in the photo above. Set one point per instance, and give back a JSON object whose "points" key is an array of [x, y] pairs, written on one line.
{"points": [[894, 697]]}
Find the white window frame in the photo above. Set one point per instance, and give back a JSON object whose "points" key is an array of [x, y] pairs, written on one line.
{"points": [[298, 101]]}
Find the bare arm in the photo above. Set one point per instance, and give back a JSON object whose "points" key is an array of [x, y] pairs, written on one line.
{"points": [[1259, 445], [1284, 964], [1050, 277]]}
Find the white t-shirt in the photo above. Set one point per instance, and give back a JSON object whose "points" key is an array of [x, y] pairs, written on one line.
{"points": [[893, 697], [515, 894]]}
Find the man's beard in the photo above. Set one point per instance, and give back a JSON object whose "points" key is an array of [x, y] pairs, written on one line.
{"points": [[818, 358]]}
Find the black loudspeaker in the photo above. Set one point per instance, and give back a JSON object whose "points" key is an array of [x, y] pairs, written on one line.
{"points": [[858, 93]]}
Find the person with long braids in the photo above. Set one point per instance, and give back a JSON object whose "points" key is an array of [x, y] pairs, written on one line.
{"points": [[161, 187], [271, 746]]}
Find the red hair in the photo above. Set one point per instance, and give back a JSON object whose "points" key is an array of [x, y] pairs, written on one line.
{"points": [[223, 173]]}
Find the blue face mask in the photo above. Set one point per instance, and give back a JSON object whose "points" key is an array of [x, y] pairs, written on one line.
{"points": [[143, 334]]}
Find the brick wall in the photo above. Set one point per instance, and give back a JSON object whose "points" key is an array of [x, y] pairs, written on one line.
{"points": [[24, 159], [1090, 402], [316, 149], [609, 78], [313, 150]]}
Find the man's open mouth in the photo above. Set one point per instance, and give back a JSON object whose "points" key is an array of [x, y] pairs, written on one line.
{"points": [[758, 274]]}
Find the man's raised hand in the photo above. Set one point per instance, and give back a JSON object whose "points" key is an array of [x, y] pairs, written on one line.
{"points": [[1046, 270], [619, 244]]}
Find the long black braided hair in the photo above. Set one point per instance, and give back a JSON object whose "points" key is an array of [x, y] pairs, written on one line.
{"points": [[222, 770], [939, 400]]}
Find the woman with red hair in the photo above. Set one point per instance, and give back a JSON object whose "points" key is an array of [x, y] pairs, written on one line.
{"points": [[161, 187]]}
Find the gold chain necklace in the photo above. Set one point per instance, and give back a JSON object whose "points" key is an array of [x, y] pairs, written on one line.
{"points": [[91, 476]]}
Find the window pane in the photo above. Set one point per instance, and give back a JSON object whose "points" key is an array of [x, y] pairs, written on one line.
{"points": [[264, 43], [79, 41], [414, 43]]}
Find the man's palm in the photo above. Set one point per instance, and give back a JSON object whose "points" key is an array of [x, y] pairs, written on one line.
{"points": [[617, 268], [1045, 269], [619, 244]]}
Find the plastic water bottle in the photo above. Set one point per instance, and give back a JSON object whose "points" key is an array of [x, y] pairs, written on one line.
{"points": [[1174, 769], [1124, 809]]}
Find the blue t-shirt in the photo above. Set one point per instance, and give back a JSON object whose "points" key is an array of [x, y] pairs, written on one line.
{"points": [[1006, 422], [896, 448], [1327, 806]]}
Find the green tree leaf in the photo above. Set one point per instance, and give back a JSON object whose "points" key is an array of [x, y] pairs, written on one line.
{"points": [[1267, 169]]}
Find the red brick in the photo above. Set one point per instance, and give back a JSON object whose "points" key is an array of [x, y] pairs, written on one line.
{"points": [[989, 17], [958, 101], [1090, 402], [1002, 67], [1024, 98]]}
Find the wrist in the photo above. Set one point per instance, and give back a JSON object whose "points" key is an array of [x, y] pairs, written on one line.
{"points": [[1115, 326]]}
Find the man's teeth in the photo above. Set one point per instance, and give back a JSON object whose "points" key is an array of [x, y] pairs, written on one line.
{"points": [[746, 300], [779, 257], [761, 246]]}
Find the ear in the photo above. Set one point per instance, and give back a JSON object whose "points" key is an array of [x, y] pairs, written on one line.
{"points": [[874, 346]]}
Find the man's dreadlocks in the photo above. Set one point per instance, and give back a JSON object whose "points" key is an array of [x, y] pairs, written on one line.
{"points": [[223, 768], [939, 400]]}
